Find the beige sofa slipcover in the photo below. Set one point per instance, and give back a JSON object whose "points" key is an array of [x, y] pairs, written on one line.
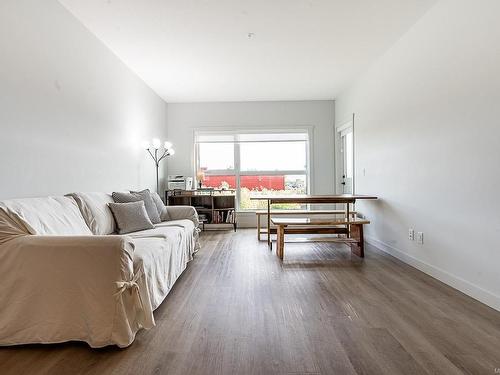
{"points": [[65, 275]]}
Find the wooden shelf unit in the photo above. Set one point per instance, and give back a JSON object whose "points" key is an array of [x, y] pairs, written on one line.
{"points": [[217, 206]]}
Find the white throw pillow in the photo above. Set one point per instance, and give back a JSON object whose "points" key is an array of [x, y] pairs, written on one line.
{"points": [[95, 211], [48, 215]]}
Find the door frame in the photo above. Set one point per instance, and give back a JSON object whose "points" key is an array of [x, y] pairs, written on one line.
{"points": [[340, 128]]}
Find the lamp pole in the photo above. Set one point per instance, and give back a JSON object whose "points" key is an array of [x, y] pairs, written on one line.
{"points": [[168, 151]]}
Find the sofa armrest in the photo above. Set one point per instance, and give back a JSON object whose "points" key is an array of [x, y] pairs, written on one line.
{"points": [[110, 254], [68, 264], [75, 287], [181, 212]]}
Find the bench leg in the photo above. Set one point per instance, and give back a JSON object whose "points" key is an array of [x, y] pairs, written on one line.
{"points": [[347, 217], [280, 245], [258, 227], [269, 243], [358, 247]]}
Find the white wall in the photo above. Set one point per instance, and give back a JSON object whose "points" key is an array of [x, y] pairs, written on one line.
{"points": [[428, 138], [183, 118], [71, 114]]}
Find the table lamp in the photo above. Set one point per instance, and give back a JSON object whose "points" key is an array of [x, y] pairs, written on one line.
{"points": [[200, 176]]}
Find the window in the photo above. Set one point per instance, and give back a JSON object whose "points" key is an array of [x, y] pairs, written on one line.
{"points": [[217, 156], [255, 163]]}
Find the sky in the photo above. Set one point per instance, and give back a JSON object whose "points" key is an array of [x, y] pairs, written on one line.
{"points": [[255, 156]]}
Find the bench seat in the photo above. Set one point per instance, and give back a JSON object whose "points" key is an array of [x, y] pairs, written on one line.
{"points": [[352, 228], [311, 222], [259, 213]]}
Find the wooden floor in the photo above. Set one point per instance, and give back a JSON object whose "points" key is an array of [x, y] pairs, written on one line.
{"points": [[238, 310]]}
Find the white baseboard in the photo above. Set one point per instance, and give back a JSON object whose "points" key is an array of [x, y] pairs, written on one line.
{"points": [[456, 282]]}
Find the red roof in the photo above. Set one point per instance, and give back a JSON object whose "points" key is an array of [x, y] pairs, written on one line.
{"points": [[250, 182]]}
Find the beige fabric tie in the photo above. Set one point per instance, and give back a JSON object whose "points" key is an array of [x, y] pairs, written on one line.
{"points": [[134, 287]]}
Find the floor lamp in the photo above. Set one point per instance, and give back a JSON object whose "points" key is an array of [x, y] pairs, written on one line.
{"points": [[154, 150]]}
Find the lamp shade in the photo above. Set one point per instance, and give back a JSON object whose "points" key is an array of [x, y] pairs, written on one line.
{"points": [[200, 175], [156, 143]]}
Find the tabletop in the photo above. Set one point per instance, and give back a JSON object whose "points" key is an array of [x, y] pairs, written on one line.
{"points": [[334, 198]]}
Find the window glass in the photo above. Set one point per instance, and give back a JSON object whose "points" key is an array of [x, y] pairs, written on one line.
{"points": [[273, 156], [216, 156], [265, 164], [252, 186]]}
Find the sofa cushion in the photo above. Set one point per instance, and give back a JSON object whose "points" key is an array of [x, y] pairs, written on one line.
{"points": [[95, 211], [163, 257], [162, 209], [159, 230], [130, 217], [144, 196], [184, 223], [160, 206], [47, 215]]}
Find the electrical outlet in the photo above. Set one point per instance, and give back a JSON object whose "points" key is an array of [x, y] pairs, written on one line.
{"points": [[411, 234], [420, 238]]}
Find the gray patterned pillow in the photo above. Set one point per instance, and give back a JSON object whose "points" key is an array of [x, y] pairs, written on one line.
{"points": [[144, 196], [162, 209], [160, 206], [130, 217]]}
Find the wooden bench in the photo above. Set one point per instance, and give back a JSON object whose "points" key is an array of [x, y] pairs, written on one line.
{"points": [[351, 228], [259, 213]]}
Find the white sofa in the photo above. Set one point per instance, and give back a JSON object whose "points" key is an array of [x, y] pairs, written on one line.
{"points": [[65, 275]]}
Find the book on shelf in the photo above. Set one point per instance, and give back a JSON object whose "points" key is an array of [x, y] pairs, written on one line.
{"points": [[230, 217], [223, 217]]}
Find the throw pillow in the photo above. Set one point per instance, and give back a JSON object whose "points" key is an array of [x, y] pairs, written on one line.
{"points": [[144, 196], [160, 207], [130, 217]]}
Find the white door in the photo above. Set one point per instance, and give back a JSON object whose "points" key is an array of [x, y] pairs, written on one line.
{"points": [[347, 160]]}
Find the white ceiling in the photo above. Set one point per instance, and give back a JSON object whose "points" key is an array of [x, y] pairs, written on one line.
{"points": [[235, 50]]}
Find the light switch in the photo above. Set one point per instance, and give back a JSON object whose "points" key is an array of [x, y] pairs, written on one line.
{"points": [[411, 234], [420, 238]]}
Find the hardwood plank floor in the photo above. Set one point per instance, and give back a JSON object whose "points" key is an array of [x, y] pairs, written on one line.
{"points": [[238, 310]]}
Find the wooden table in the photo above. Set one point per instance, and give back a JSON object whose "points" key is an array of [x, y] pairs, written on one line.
{"points": [[346, 199]]}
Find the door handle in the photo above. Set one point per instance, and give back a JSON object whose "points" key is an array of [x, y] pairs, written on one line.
{"points": [[342, 183]]}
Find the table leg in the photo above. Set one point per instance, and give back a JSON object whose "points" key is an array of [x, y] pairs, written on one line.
{"points": [[280, 245], [269, 225], [347, 217], [258, 227]]}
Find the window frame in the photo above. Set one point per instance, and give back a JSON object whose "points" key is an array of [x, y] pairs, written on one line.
{"points": [[237, 172]]}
